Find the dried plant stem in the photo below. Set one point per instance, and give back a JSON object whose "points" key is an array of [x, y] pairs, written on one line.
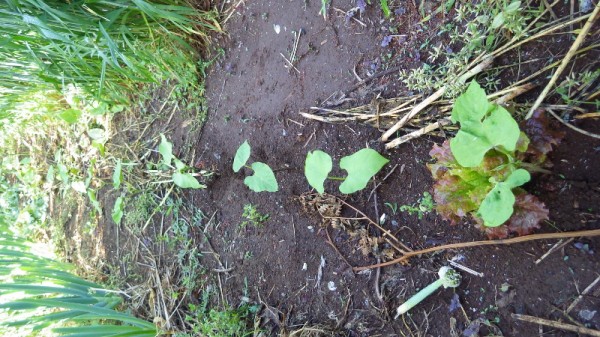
{"points": [[584, 293], [557, 325], [572, 127], [415, 134], [532, 237], [582, 34], [486, 62]]}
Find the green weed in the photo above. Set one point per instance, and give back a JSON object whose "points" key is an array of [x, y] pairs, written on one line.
{"points": [[253, 217], [42, 294], [229, 322], [476, 27], [424, 205]]}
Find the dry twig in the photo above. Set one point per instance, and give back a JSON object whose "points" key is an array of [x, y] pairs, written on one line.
{"points": [[520, 239], [582, 34], [557, 325]]}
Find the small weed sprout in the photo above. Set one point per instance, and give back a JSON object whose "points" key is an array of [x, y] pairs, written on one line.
{"points": [[180, 175], [393, 207], [424, 206], [253, 217]]}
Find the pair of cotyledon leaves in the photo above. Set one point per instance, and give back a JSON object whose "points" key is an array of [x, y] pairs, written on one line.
{"points": [[361, 166], [180, 178], [485, 126], [263, 179]]}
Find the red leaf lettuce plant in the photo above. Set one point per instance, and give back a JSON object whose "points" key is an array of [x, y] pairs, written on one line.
{"points": [[481, 170]]}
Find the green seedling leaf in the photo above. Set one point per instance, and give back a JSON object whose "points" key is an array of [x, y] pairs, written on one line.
{"points": [[165, 148], [186, 180], [471, 106], [117, 175], [513, 7], [385, 8], [361, 167], [476, 137], [94, 201], [179, 165], [100, 147], [316, 169], [263, 179], [497, 207], [117, 211], [117, 108], [498, 20], [70, 115], [241, 156]]}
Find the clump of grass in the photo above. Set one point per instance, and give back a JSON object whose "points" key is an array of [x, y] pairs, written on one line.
{"points": [[213, 322], [476, 27], [39, 293], [103, 48]]}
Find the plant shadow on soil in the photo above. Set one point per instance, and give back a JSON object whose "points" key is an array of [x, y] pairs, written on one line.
{"points": [[253, 96]]}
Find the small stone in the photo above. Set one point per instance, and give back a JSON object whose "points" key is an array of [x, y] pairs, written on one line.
{"points": [[587, 315], [277, 28]]}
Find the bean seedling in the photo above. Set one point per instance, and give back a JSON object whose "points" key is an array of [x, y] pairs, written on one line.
{"points": [[180, 177], [263, 179], [361, 167]]}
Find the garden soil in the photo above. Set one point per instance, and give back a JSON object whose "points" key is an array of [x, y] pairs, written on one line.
{"points": [[290, 266], [298, 266]]}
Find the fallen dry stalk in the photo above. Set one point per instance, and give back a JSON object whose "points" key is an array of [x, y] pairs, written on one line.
{"points": [[557, 325], [584, 293], [484, 64], [572, 127], [532, 237], [582, 34]]}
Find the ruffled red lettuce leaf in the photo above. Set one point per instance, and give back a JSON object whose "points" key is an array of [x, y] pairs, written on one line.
{"points": [[528, 214], [542, 135], [443, 159], [493, 233], [458, 190]]}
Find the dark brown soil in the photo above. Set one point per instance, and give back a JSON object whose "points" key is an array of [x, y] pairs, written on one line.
{"points": [[253, 97]]}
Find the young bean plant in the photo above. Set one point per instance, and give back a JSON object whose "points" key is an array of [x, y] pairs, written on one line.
{"points": [[361, 167], [263, 179]]}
